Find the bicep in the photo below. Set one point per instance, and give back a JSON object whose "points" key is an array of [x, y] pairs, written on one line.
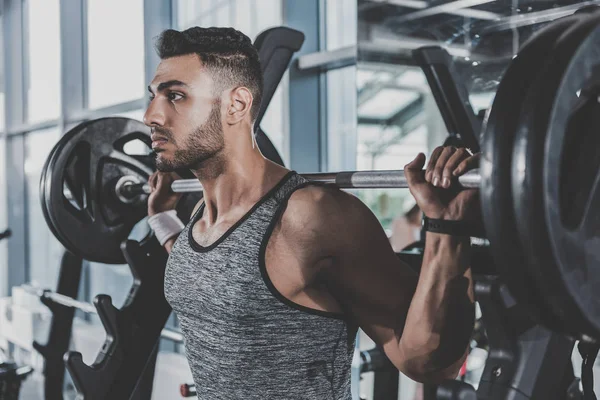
{"points": [[371, 282]]}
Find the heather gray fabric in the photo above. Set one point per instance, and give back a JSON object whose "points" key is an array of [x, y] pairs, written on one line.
{"points": [[243, 339]]}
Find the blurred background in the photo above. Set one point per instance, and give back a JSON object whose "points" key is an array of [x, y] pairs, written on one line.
{"points": [[354, 98]]}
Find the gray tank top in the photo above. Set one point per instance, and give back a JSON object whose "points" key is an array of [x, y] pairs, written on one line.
{"points": [[243, 339]]}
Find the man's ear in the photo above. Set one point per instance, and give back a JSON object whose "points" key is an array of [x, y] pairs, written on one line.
{"points": [[239, 105]]}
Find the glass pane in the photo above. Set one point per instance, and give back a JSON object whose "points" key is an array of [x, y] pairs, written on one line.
{"points": [[115, 53], [43, 52], [135, 114], [341, 23], [3, 217], [341, 119], [397, 119], [250, 17], [44, 250], [2, 74], [341, 88]]}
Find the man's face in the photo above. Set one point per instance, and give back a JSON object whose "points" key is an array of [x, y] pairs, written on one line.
{"points": [[184, 114]]}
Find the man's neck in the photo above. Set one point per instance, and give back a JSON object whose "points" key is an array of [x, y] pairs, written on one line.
{"points": [[241, 181]]}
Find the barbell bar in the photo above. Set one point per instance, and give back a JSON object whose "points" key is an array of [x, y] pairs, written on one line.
{"points": [[128, 188]]}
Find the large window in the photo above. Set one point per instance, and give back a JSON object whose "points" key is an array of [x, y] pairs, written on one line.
{"points": [[42, 31], [3, 192], [250, 17], [3, 218], [115, 51], [44, 250], [341, 32], [2, 76]]}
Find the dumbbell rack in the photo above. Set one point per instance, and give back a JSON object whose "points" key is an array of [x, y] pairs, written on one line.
{"points": [[124, 368], [61, 326], [526, 360], [132, 332]]}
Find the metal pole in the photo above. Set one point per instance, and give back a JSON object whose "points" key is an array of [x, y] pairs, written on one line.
{"points": [[345, 180]]}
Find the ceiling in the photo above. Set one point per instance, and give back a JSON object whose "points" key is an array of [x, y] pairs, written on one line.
{"points": [[482, 36]]}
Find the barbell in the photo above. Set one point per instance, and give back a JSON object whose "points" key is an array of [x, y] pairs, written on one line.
{"points": [[539, 179], [128, 188]]}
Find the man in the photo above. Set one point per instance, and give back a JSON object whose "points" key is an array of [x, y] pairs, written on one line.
{"points": [[272, 276]]}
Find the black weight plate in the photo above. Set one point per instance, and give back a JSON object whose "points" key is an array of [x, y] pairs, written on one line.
{"points": [[572, 173], [46, 184], [41, 194], [78, 187], [499, 131], [529, 153]]}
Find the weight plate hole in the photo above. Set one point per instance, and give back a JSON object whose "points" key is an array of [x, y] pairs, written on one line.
{"points": [[77, 176], [136, 148]]}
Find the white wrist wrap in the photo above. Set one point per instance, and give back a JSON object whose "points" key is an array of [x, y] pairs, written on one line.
{"points": [[165, 225]]}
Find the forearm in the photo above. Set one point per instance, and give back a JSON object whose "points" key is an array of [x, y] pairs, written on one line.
{"points": [[169, 244], [440, 319]]}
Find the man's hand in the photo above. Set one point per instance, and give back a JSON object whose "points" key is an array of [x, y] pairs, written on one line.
{"points": [[438, 193], [161, 197]]}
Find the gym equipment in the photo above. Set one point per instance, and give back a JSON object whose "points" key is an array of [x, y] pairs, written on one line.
{"points": [[132, 332], [89, 202], [559, 223], [498, 138], [84, 163], [50, 298], [348, 179], [59, 335], [11, 377], [6, 234], [525, 359], [451, 97]]}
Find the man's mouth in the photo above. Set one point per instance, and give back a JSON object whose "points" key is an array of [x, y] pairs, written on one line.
{"points": [[158, 141]]}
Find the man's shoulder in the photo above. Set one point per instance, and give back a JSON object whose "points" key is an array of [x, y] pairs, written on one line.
{"points": [[319, 211], [315, 202]]}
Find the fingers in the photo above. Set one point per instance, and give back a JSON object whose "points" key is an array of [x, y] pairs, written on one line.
{"points": [[449, 162], [437, 178], [159, 180], [468, 164], [413, 170], [432, 161], [152, 180], [162, 181], [453, 162]]}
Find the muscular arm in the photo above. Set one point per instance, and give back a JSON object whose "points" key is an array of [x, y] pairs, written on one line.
{"points": [[423, 322]]}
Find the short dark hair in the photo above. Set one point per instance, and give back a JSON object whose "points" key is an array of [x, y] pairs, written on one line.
{"points": [[228, 54]]}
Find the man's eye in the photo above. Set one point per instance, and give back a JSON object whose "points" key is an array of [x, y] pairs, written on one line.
{"points": [[175, 96]]}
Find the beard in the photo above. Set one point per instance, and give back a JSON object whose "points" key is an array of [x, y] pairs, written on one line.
{"points": [[203, 143]]}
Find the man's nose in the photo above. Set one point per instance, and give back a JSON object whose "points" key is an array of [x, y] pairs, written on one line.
{"points": [[154, 115]]}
